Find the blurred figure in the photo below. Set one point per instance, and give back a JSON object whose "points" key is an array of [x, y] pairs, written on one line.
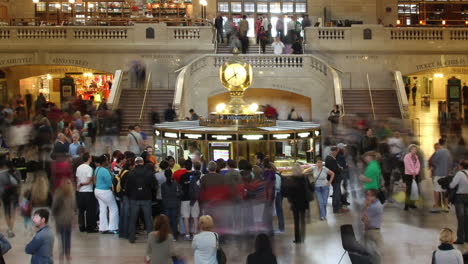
{"points": [[75, 145], [205, 243], [63, 209], [159, 248], [40, 102], [10, 185], [257, 190], [41, 246], [368, 141], [332, 164], [170, 194], [41, 196], [5, 246], [61, 170], [372, 220], [294, 116], [299, 197], [263, 251], [134, 141], [193, 115], [189, 207], [412, 169], [263, 36], [170, 114], [445, 252], [297, 47]]}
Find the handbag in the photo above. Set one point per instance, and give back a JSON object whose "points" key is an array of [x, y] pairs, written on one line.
{"points": [[414, 196], [220, 255]]}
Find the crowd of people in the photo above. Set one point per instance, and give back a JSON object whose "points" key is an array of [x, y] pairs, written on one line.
{"points": [[235, 35]]}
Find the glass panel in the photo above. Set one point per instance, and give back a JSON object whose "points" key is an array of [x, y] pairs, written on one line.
{"points": [[288, 8], [262, 8], [301, 7], [275, 8], [249, 7], [223, 7], [251, 32], [236, 7]]}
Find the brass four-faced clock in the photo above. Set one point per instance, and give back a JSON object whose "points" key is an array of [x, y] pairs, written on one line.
{"points": [[236, 74]]}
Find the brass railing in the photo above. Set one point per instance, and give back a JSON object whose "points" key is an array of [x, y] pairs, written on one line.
{"points": [[144, 97]]}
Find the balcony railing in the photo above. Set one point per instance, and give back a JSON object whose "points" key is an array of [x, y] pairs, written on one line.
{"points": [[379, 38], [199, 37]]}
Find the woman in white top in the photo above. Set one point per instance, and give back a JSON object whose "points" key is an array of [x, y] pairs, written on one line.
{"points": [[323, 178], [446, 253], [460, 181], [205, 243]]}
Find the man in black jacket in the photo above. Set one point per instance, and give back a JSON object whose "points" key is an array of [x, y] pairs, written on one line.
{"points": [[332, 164], [219, 28], [140, 188]]}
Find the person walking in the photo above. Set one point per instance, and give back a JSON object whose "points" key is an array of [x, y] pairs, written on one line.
{"points": [[159, 249], [460, 181], [218, 24], [280, 28], [373, 172], [299, 196], [440, 163], [262, 35], [141, 187], [445, 252], [205, 244], [106, 198], [371, 217], [134, 141], [414, 90], [263, 251], [63, 208], [368, 141], [412, 169], [41, 246], [189, 209], [323, 178], [243, 29]]}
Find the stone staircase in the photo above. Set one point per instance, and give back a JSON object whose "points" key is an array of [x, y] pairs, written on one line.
{"points": [[358, 102], [131, 101], [253, 49]]}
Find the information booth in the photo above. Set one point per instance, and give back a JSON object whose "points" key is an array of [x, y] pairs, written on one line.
{"points": [[285, 143]]}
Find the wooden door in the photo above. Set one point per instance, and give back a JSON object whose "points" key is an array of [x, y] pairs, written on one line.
{"points": [[3, 12]]}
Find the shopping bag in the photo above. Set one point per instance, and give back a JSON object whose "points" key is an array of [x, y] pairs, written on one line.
{"points": [[414, 196]]}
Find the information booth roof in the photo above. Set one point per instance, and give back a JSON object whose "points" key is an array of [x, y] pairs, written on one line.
{"points": [[194, 126]]}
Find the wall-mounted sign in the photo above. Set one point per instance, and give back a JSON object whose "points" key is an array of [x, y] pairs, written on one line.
{"points": [[193, 136], [221, 137], [253, 137], [280, 136]]}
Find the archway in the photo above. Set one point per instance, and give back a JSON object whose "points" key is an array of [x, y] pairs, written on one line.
{"points": [[283, 101]]}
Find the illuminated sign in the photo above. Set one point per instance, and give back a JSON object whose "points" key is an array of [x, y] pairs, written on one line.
{"points": [[253, 137], [222, 137], [280, 136], [193, 136], [170, 135], [303, 134]]}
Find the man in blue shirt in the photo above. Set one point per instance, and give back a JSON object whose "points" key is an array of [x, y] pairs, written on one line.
{"points": [[42, 246]]}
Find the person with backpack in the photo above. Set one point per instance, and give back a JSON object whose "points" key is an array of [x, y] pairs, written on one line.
{"points": [[460, 182], [170, 193], [140, 187], [188, 207], [85, 197]]}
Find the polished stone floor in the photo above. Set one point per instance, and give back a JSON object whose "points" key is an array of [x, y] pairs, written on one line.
{"points": [[408, 236]]}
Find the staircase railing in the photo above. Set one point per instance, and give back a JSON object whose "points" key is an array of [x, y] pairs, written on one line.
{"points": [[144, 97], [216, 41], [116, 90], [370, 95], [401, 94]]}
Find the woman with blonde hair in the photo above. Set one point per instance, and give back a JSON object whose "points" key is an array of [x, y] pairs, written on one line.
{"points": [[40, 192], [446, 253], [206, 242], [159, 247], [412, 169], [63, 208]]}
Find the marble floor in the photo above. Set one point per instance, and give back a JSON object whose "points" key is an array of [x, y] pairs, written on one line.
{"points": [[408, 236]]}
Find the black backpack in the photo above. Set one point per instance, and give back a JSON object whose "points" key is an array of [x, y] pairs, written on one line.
{"points": [[194, 187]]}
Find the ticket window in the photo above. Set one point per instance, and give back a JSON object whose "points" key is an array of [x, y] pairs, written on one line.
{"points": [[220, 150]]}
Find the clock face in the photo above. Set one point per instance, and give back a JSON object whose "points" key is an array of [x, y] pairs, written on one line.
{"points": [[235, 74]]}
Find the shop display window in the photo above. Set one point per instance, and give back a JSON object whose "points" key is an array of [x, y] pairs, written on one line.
{"points": [[262, 8], [275, 8], [288, 7]]}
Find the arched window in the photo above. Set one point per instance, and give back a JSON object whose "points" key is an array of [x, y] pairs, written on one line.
{"points": [[149, 33]]}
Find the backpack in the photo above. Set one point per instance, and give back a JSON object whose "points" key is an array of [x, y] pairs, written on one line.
{"points": [[117, 183], [194, 188]]}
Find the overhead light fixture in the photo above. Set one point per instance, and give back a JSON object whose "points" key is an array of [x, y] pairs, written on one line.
{"points": [[281, 136], [170, 135], [222, 137], [203, 2], [444, 22], [57, 5], [220, 107], [71, 1], [303, 134], [91, 5], [316, 132], [253, 108], [438, 75], [422, 22], [398, 22], [35, 1], [49, 77], [252, 137], [193, 136]]}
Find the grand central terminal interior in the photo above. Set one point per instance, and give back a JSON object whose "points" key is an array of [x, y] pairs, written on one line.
{"points": [[233, 131]]}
